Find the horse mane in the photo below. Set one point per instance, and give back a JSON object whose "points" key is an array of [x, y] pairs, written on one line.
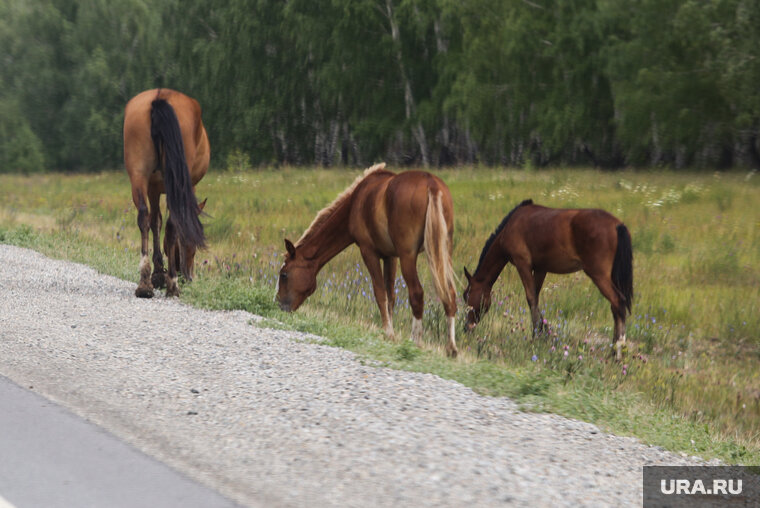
{"points": [[498, 230], [325, 213]]}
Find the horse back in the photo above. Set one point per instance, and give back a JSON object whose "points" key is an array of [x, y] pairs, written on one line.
{"points": [[559, 240], [389, 210]]}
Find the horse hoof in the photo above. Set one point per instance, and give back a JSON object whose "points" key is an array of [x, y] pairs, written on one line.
{"points": [[144, 292], [452, 352], [158, 279], [172, 291]]}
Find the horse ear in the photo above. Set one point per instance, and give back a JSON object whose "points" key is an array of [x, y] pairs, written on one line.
{"points": [[290, 248], [202, 205], [467, 275]]}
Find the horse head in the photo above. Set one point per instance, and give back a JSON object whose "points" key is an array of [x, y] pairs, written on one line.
{"points": [[477, 297], [297, 279], [188, 270]]}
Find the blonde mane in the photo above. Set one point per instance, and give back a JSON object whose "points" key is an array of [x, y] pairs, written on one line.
{"points": [[325, 213]]}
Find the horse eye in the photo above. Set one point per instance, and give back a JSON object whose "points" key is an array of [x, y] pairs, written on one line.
{"points": [[283, 276]]}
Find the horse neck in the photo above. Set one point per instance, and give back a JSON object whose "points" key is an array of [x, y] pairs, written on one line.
{"points": [[330, 238], [493, 263]]}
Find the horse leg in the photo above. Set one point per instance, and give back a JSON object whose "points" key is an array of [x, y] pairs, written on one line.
{"points": [[171, 241], [538, 279], [158, 279], [450, 308], [378, 285], [416, 295], [531, 293], [604, 283], [144, 287], [389, 271]]}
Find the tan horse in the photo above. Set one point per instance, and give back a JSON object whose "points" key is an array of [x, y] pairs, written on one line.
{"points": [[388, 216], [540, 240], [166, 150]]}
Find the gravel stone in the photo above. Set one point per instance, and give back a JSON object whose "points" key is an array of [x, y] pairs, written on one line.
{"points": [[269, 418]]}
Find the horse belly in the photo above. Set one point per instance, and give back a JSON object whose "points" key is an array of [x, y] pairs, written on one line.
{"points": [[381, 235], [368, 224], [566, 266], [557, 261]]}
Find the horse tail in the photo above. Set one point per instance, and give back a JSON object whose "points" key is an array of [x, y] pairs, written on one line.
{"points": [[438, 249], [180, 198], [622, 266]]}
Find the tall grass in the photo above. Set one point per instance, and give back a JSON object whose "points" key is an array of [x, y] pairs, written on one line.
{"points": [[694, 335]]}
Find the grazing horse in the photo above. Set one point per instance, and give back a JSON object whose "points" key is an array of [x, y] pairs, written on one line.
{"points": [[540, 240], [178, 255], [388, 216], [166, 150]]}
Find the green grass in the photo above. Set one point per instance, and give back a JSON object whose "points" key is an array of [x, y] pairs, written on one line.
{"points": [[692, 381]]}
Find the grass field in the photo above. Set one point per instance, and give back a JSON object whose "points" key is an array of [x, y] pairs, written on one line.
{"points": [[690, 380]]}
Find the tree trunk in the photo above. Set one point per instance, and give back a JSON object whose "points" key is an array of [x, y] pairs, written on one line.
{"points": [[410, 109]]}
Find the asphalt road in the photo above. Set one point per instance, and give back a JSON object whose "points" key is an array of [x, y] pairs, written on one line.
{"points": [[53, 459]]}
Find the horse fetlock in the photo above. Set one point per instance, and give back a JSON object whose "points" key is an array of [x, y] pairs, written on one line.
{"points": [[145, 287], [172, 288], [451, 345], [620, 349], [388, 331], [158, 279], [417, 331], [144, 268]]}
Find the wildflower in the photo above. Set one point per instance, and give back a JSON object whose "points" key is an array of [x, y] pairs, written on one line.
{"points": [[534, 358], [592, 349], [553, 349], [580, 357], [567, 347], [566, 353]]}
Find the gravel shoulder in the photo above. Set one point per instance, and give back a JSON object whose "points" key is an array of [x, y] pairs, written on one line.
{"points": [[268, 419]]}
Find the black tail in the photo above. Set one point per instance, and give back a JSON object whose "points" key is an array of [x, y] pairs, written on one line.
{"points": [[622, 266], [180, 199]]}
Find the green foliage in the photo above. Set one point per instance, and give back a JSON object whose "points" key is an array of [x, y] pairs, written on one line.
{"points": [[350, 82], [20, 149]]}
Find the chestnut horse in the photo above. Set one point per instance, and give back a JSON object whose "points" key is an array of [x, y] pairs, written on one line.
{"points": [[166, 150], [388, 216], [540, 240]]}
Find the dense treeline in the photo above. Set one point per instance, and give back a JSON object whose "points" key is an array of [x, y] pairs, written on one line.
{"points": [[427, 82]]}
